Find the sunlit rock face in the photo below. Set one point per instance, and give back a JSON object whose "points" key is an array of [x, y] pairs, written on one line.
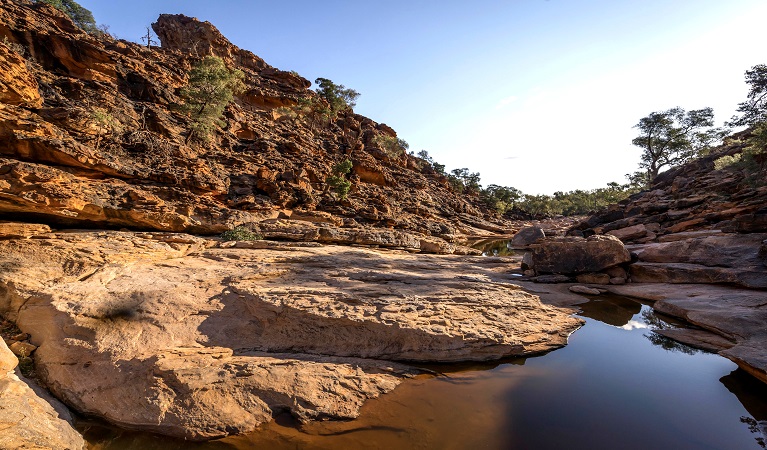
{"points": [[197, 341], [89, 137], [30, 421]]}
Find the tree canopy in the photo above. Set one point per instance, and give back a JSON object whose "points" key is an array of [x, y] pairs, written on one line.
{"points": [[210, 89], [754, 110], [82, 17], [338, 96], [672, 137]]}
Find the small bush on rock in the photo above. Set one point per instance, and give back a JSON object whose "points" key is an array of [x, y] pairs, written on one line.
{"points": [[240, 234], [337, 181], [391, 145]]}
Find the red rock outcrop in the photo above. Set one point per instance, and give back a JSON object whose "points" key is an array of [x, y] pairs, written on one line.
{"points": [[63, 163]]}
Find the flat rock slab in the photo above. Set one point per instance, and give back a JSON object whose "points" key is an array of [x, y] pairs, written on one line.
{"points": [[160, 332]]}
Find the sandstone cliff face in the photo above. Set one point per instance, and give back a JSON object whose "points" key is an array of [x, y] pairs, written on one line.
{"points": [[62, 165]]}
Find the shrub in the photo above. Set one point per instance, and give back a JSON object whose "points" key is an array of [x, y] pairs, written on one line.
{"points": [[240, 234], [210, 89], [726, 161], [82, 17], [391, 145], [338, 96], [337, 181]]}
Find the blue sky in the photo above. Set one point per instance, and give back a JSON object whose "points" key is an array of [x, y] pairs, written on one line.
{"points": [[536, 94]]}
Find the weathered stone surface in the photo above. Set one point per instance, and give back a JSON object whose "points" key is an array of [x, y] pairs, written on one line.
{"points": [[578, 289], [629, 233], [201, 343], [571, 255], [552, 279], [16, 230], [17, 85], [681, 273], [63, 166], [527, 236], [28, 421], [593, 278]]}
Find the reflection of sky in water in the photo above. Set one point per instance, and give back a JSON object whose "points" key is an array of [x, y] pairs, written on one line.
{"points": [[634, 325]]}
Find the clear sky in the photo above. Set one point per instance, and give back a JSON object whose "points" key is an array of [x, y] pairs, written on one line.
{"points": [[540, 95]]}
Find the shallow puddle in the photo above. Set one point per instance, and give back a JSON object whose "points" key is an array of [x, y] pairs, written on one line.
{"points": [[617, 385]]}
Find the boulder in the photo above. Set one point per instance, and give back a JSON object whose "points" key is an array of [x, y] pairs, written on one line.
{"points": [[629, 233], [578, 289], [572, 255], [29, 421], [593, 278], [527, 236]]}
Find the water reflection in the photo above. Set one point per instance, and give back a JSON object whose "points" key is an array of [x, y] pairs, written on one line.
{"points": [[497, 248], [612, 310], [751, 394]]}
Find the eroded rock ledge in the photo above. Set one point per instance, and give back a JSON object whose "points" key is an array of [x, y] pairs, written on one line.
{"points": [[171, 334]]}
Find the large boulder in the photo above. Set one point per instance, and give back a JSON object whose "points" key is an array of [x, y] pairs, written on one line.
{"points": [[29, 421], [527, 236], [572, 255]]}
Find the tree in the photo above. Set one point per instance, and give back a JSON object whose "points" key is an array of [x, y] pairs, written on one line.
{"points": [[338, 96], [337, 181], [210, 89], [82, 17], [754, 110], [672, 137]]}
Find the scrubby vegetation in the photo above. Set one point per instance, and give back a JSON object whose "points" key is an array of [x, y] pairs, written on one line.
{"points": [[337, 181], [240, 234], [210, 89], [82, 17], [393, 146]]}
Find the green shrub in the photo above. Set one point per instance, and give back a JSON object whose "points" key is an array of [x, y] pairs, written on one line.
{"points": [[240, 234], [338, 96], [82, 17], [726, 161], [210, 89], [391, 145], [337, 181]]}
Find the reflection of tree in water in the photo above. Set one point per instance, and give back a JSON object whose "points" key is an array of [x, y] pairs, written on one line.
{"points": [[654, 322], [752, 394], [756, 427], [670, 344]]}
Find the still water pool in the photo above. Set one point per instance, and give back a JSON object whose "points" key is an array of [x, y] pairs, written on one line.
{"points": [[617, 385]]}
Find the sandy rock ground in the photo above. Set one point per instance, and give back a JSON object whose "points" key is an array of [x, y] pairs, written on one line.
{"points": [[167, 333]]}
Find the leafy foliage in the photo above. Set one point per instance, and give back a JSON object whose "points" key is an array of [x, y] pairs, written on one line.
{"points": [[240, 234], [393, 146], [672, 137], [338, 96], [753, 113], [337, 181], [210, 89], [82, 17]]}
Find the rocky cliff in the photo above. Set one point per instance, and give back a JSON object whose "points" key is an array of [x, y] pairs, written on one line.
{"points": [[63, 163]]}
